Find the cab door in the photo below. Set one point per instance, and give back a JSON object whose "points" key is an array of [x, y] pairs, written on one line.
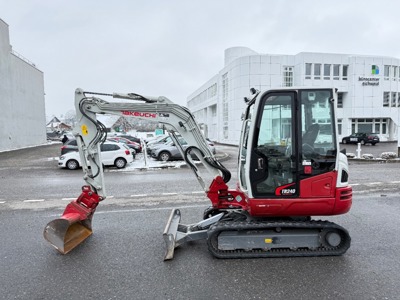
{"points": [[294, 144], [273, 159]]}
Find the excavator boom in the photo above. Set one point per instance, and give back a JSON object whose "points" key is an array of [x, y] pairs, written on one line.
{"points": [[74, 226]]}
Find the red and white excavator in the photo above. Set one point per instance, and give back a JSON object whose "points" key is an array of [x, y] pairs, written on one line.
{"points": [[289, 169]]}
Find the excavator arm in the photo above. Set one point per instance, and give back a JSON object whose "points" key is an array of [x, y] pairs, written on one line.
{"points": [[90, 133], [74, 226]]}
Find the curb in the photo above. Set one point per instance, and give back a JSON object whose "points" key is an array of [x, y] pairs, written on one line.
{"points": [[371, 161], [220, 157]]}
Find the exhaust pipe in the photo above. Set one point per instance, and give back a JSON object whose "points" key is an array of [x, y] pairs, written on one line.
{"points": [[75, 225]]}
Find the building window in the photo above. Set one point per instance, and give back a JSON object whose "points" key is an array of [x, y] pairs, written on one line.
{"points": [[369, 125], [345, 72], [398, 99], [203, 96], [394, 72], [384, 127], [317, 71], [340, 100], [394, 98], [308, 71], [377, 128], [225, 108], [287, 76], [339, 126], [386, 98], [364, 125], [386, 72], [327, 71], [336, 70]]}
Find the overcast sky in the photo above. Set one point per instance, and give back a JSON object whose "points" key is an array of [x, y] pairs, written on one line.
{"points": [[172, 47]]}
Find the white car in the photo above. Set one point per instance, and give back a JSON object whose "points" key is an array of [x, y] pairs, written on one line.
{"points": [[112, 154]]}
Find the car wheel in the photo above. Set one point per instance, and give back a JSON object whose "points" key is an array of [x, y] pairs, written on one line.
{"points": [[120, 163], [164, 156], [362, 142], [373, 144], [72, 164], [344, 141]]}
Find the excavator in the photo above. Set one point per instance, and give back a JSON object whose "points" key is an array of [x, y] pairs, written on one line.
{"points": [[290, 169]]}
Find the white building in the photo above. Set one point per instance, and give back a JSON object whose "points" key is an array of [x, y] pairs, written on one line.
{"points": [[22, 106], [368, 86]]}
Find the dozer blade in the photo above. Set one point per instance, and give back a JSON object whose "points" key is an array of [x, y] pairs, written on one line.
{"points": [[170, 232], [75, 225]]}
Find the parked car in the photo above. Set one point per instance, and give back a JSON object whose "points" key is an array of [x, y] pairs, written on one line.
{"points": [[131, 138], [211, 145], [168, 150], [69, 146], [362, 138], [159, 139], [112, 154], [167, 139], [153, 139], [157, 143], [137, 147]]}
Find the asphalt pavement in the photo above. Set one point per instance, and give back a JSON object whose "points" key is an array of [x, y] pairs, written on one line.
{"points": [[124, 260]]}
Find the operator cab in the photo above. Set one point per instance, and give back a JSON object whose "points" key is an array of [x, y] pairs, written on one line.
{"points": [[287, 136]]}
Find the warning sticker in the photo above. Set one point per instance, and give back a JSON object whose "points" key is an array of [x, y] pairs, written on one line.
{"points": [[84, 129]]}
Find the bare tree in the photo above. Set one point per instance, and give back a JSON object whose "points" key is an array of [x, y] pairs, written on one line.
{"points": [[70, 118]]}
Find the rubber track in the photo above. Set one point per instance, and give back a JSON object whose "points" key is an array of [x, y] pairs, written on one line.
{"points": [[219, 227]]}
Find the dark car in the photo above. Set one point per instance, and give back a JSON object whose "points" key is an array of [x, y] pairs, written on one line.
{"points": [[131, 138], [136, 146], [69, 146], [362, 138]]}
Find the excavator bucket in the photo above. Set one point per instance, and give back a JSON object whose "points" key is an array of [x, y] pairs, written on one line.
{"points": [[67, 232], [74, 226]]}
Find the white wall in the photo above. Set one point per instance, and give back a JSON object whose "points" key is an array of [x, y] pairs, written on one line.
{"points": [[22, 110]]}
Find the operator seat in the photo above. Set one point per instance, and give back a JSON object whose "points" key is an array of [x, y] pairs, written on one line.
{"points": [[311, 135], [309, 138]]}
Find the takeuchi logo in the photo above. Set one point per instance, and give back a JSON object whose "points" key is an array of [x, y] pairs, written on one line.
{"points": [[375, 70], [139, 114]]}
